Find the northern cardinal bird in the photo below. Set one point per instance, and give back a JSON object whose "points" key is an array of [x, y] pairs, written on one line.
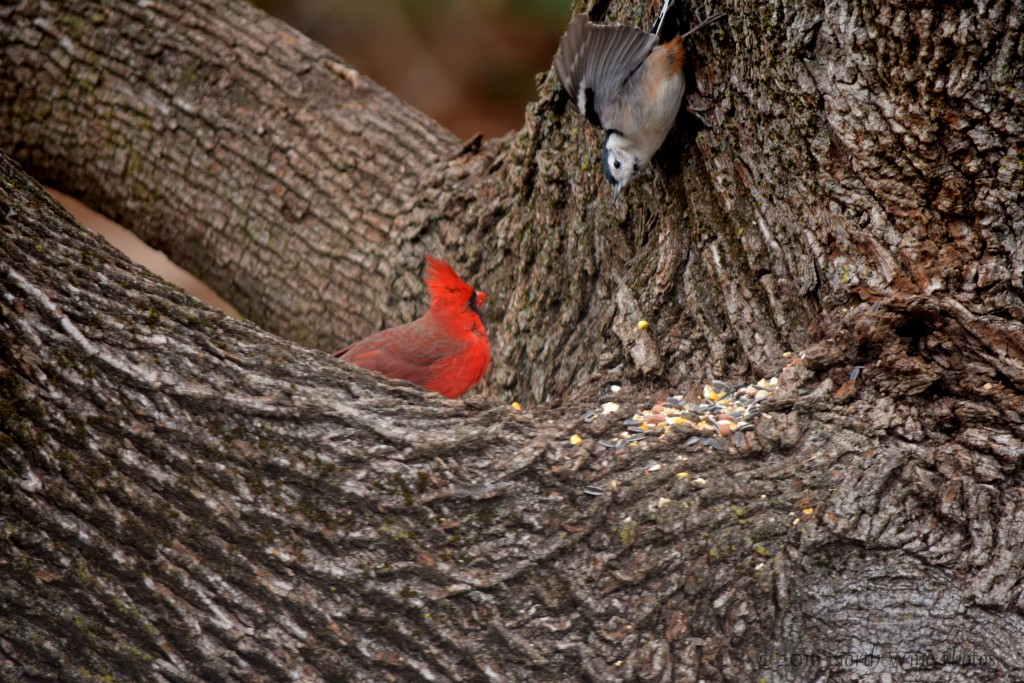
{"points": [[444, 351]]}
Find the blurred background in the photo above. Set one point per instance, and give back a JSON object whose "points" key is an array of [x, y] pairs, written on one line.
{"points": [[469, 64]]}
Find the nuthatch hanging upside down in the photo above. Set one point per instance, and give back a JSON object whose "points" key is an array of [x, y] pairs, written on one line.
{"points": [[625, 82]]}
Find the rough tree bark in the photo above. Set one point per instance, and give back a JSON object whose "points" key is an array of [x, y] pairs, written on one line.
{"points": [[187, 497]]}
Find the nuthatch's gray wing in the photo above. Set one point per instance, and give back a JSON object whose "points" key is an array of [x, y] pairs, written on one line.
{"points": [[593, 63]]}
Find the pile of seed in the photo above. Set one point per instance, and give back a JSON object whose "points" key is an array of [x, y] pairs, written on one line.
{"points": [[724, 410]]}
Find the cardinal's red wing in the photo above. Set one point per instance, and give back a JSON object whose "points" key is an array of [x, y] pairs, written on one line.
{"points": [[401, 353]]}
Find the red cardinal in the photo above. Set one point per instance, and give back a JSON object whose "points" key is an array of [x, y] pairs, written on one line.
{"points": [[444, 351]]}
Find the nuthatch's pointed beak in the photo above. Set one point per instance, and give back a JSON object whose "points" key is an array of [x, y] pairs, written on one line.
{"points": [[616, 189]]}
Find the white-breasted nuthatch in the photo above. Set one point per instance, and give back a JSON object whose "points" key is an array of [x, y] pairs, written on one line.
{"points": [[628, 82]]}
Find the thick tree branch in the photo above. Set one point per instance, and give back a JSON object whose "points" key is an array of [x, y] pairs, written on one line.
{"points": [[251, 155], [187, 497]]}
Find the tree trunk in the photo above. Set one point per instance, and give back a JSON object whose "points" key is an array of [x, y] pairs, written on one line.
{"points": [[187, 497]]}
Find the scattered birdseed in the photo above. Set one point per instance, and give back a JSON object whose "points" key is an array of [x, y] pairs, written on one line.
{"points": [[516, 406], [723, 411], [642, 325], [594, 491], [575, 439]]}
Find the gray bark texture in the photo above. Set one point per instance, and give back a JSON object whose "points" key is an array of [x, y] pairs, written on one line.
{"points": [[187, 497]]}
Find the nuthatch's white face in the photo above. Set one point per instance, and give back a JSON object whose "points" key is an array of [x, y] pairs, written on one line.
{"points": [[619, 164]]}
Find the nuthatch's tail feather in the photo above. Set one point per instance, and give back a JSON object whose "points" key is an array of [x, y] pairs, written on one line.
{"points": [[669, 23]]}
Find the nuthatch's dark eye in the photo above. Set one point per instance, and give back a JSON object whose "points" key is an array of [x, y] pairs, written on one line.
{"points": [[618, 164]]}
